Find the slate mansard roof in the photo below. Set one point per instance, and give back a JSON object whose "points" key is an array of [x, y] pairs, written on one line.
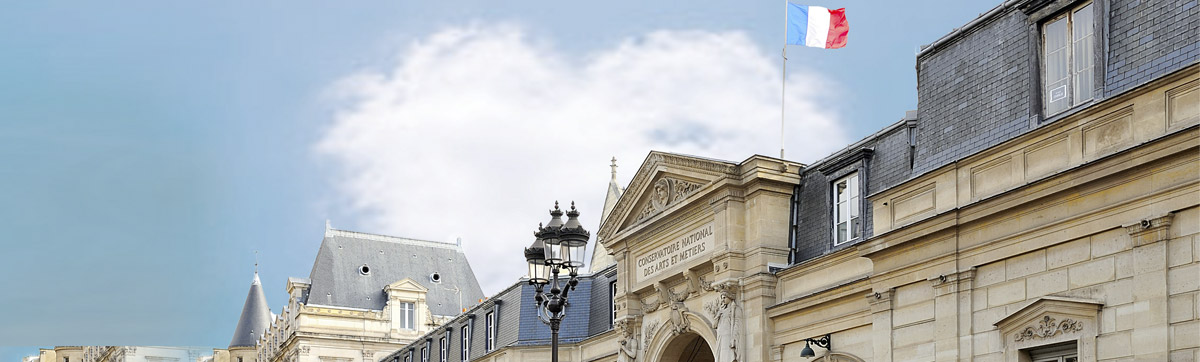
{"points": [[588, 314], [337, 279], [255, 319]]}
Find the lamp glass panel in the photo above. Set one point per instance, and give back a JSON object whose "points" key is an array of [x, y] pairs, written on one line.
{"points": [[553, 250]]}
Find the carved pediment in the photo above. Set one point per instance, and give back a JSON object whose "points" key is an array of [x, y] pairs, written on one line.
{"points": [[662, 182], [1050, 320], [407, 285]]}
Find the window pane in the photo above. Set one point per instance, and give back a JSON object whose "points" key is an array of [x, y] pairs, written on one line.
{"points": [[841, 232], [840, 191], [853, 203], [1057, 66], [1081, 30], [854, 228], [853, 186]]}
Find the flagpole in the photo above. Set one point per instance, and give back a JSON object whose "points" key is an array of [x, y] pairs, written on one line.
{"points": [[783, 81]]}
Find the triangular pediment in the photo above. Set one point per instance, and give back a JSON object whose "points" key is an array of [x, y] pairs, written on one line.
{"points": [[1050, 319], [407, 285], [663, 182]]}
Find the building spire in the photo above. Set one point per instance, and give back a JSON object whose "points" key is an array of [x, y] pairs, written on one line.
{"points": [[614, 170], [600, 257], [256, 282], [256, 316]]}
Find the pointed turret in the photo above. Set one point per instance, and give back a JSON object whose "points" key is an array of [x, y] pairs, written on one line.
{"points": [[256, 317], [600, 257]]}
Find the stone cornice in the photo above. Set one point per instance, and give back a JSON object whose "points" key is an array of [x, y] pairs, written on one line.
{"points": [[721, 173]]}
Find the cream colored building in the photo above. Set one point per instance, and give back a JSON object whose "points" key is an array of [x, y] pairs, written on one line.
{"points": [[367, 296], [1015, 216], [144, 354], [1080, 233], [61, 354]]}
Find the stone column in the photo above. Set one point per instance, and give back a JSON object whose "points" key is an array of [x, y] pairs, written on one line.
{"points": [[881, 323], [1151, 329]]}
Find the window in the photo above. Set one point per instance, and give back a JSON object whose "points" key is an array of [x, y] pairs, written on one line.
{"points": [[407, 316], [490, 330], [442, 349], [1067, 59], [846, 225], [612, 302], [425, 353], [1058, 353], [408, 356], [466, 342]]}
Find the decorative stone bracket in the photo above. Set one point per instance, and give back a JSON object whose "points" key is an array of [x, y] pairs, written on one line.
{"points": [[1151, 230]]}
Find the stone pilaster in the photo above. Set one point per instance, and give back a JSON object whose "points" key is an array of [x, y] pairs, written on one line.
{"points": [[881, 322], [1151, 333], [966, 287], [946, 314]]}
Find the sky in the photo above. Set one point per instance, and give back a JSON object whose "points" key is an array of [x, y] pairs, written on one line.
{"points": [[151, 147]]}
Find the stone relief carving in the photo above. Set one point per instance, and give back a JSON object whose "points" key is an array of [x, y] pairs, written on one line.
{"points": [[663, 194], [679, 322], [642, 178], [650, 327], [726, 321], [696, 283], [1047, 328], [629, 343], [648, 307]]}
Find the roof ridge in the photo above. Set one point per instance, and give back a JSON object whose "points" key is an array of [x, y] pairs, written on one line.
{"points": [[389, 238]]}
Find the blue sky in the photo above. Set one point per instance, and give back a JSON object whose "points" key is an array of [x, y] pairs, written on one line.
{"points": [[151, 147]]}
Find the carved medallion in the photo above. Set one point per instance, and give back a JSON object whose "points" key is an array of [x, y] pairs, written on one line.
{"points": [[664, 193]]}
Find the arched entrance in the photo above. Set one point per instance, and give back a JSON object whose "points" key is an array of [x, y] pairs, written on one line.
{"points": [[687, 347]]}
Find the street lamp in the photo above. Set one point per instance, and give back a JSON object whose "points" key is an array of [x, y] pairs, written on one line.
{"points": [[557, 248], [822, 342]]}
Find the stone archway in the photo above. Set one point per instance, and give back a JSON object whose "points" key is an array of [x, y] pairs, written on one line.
{"points": [[686, 347]]}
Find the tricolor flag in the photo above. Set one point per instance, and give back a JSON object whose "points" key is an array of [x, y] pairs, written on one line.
{"points": [[816, 26]]}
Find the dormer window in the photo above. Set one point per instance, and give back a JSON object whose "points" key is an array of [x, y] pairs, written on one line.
{"points": [[1067, 59], [846, 224]]}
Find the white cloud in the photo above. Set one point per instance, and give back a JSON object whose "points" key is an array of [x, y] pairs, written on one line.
{"points": [[478, 130]]}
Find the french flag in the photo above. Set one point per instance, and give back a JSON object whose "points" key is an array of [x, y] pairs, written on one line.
{"points": [[816, 26]]}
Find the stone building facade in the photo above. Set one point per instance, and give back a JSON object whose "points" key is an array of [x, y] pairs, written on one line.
{"points": [[367, 296], [1041, 204], [144, 354], [1015, 217]]}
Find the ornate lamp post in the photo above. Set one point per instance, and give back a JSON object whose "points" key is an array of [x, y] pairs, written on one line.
{"points": [[557, 248]]}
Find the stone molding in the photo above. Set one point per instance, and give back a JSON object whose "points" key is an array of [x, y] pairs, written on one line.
{"points": [[1151, 230], [881, 301], [952, 283]]}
